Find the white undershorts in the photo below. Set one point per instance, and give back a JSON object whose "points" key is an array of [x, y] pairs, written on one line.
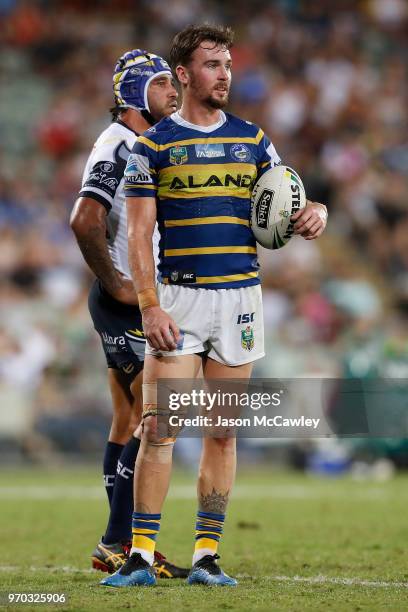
{"points": [[226, 324]]}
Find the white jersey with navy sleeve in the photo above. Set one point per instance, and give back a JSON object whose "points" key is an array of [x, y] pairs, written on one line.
{"points": [[103, 180]]}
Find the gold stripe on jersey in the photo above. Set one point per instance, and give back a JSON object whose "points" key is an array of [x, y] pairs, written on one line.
{"points": [[205, 221], [230, 278], [203, 171], [255, 140], [209, 192], [209, 250], [207, 180], [149, 186]]}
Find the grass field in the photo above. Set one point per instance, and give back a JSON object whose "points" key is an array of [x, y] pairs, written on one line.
{"points": [[294, 543]]}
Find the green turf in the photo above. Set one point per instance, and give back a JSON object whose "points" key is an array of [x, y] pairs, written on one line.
{"points": [[279, 526]]}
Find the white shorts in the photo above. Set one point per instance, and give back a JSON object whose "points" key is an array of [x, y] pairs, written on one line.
{"points": [[227, 324]]}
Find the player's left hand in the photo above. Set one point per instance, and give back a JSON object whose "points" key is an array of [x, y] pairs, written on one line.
{"points": [[310, 221]]}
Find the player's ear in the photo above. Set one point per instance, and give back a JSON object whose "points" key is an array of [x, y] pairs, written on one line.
{"points": [[182, 75]]}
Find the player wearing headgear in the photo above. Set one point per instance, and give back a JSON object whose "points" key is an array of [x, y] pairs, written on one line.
{"points": [[194, 172], [144, 93]]}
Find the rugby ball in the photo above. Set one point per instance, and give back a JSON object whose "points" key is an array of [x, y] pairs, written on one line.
{"points": [[276, 196]]}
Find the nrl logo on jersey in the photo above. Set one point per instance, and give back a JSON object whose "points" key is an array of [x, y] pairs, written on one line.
{"points": [[178, 155]]}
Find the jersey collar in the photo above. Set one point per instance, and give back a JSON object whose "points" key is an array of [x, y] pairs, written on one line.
{"points": [[126, 126], [200, 128]]}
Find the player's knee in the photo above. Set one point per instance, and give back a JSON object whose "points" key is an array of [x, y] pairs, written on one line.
{"points": [[156, 448], [150, 434]]}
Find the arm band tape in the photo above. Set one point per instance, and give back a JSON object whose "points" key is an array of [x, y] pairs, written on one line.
{"points": [[147, 298]]}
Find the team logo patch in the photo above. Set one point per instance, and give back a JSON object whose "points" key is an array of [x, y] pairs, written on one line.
{"points": [[240, 152], [178, 155], [247, 338], [106, 166], [128, 368], [209, 150], [135, 334]]}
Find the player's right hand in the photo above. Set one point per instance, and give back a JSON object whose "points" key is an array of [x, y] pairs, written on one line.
{"points": [[160, 330]]}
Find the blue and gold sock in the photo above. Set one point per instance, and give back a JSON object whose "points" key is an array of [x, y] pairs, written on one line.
{"points": [[145, 528], [208, 532]]}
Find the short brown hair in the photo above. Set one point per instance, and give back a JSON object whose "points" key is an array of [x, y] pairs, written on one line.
{"points": [[189, 39]]}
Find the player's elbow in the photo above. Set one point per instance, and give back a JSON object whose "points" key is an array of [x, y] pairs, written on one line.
{"points": [[85, 218], [75, 221]]}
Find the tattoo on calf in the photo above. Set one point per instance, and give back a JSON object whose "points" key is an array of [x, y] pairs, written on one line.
{"points": [[216, 502]]}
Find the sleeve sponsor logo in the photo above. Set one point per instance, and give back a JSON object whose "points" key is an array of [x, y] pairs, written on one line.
{"points": [[102, 176], [106, 175], [135, 173]]}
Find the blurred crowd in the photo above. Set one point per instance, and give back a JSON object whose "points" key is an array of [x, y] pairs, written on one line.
{"points": [[326, 80]]}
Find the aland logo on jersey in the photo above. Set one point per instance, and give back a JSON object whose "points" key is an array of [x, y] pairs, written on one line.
{"points": [[207, 180]]}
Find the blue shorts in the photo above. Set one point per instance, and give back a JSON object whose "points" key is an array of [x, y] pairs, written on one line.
{"points": [[120, 329]]}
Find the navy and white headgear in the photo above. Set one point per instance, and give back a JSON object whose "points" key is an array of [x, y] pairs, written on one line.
{"points": [[132, 75]]}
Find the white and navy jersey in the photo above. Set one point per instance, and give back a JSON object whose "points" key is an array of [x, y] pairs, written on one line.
{"points": [[103, 180]]}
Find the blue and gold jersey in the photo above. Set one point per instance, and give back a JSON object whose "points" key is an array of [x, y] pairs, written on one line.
{"points": [[202, 179]]}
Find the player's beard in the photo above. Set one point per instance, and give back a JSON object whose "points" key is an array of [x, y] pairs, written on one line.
{"points": [[209, 99], [216, 102]]}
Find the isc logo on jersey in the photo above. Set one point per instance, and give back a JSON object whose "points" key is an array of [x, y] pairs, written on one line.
{"points": [[134, 174]]}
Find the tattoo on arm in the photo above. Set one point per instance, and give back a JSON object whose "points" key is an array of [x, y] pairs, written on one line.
{"points": [[214, 502], [95, 251]]}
